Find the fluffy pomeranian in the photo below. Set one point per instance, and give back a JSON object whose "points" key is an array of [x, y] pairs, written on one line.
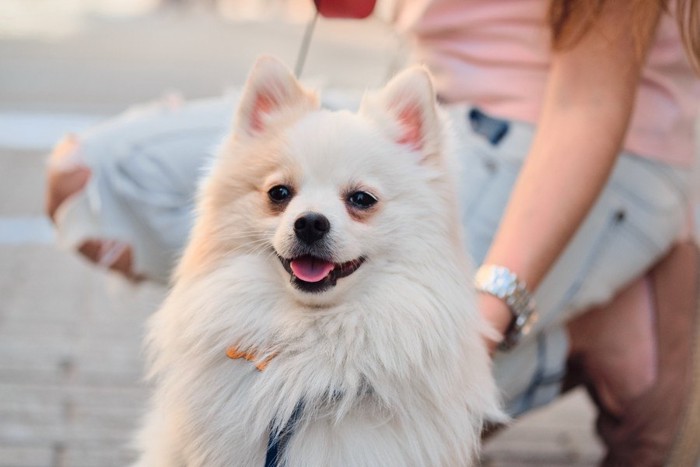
{"points": [[323, 313]]}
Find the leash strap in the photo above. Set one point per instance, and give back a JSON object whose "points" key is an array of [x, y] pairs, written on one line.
{"points": [[304, 48], [277, 443], [348, 9]]}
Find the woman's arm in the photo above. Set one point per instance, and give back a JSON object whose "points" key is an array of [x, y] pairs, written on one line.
{"points": [[587, 106]]}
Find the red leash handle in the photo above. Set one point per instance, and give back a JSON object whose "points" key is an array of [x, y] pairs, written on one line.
{"points": [[350, 9]]}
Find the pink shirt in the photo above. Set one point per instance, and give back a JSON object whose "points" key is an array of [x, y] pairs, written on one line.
{"points": [[495, 54]]}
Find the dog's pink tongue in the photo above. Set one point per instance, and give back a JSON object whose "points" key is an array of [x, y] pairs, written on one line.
{"points": [[310, 269]]}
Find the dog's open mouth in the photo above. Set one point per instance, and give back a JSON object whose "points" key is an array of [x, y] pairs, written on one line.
{"points": [[313, 274]]}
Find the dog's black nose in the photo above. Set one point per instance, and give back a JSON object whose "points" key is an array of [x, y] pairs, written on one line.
{"points": [[311, 227]]}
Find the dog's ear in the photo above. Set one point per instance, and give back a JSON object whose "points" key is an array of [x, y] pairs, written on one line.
{"points": [[409, 102], [271, 93]]}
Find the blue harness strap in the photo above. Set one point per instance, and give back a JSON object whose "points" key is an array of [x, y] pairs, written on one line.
{"points": [[278, 442]]}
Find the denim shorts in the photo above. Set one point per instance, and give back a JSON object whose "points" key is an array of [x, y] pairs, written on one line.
{"points": [[641, 212], [145, 168]]}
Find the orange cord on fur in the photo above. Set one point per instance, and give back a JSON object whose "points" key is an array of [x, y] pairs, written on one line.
{"points": [[234, 354]]}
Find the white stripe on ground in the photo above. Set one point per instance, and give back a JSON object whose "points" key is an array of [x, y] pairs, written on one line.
{"points": [[40, 130], [26, 230]]}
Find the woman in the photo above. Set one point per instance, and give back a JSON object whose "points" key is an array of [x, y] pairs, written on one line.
{"points": [[576, 155], [583, 223]]}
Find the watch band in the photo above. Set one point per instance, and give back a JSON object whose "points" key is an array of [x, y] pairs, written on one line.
{"points": [[504, 284]]}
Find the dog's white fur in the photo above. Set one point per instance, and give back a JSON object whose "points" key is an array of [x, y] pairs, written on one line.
{"points": [[389, 363]]}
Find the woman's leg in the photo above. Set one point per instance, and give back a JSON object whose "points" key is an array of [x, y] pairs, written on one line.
{"points": [[617, 342], [635, 357]]}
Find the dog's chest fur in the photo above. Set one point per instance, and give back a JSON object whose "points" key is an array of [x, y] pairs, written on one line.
{"points": [[376, 374]]}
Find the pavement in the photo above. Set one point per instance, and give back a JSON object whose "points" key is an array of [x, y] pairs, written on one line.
{"points": [[71, 392]]}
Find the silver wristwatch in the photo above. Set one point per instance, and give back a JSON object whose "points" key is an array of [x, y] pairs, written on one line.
{"points": [[502, 283]]}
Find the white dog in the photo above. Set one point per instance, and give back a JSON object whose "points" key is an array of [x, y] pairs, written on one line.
{"points": [[323, 314]]}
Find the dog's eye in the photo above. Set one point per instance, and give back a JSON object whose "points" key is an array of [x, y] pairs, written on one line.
{"points": [[362, 200], [279, 193]]}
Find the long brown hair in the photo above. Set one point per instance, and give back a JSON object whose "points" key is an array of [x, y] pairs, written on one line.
{"points": [[569, 20]]}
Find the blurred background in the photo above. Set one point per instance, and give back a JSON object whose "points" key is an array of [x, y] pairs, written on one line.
{"points": [[70, 365]]}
